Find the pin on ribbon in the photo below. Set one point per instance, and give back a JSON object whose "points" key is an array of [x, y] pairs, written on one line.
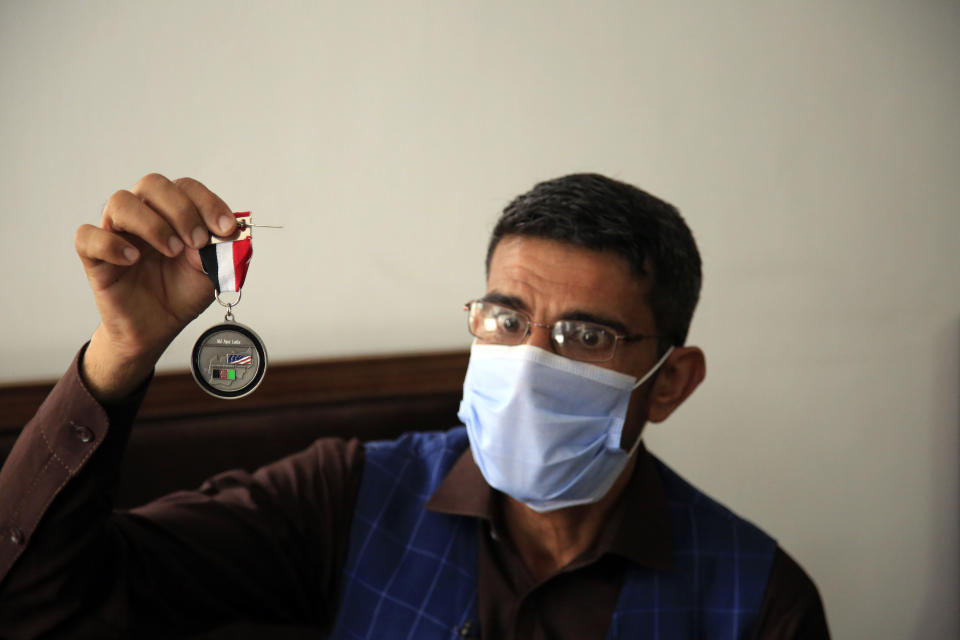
{"points": [[229, 359]]}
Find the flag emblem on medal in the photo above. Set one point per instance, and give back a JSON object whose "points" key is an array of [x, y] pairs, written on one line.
{"points": [[239, 358], [223, 374]]}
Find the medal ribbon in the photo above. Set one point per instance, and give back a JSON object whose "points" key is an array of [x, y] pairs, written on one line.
{"points": [[226, 262]]}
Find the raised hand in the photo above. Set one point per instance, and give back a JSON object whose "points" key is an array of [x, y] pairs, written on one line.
{"points": [[144, 270]]}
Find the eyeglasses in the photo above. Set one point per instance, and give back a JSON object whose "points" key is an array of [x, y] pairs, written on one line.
{"points": [[574, 339]]}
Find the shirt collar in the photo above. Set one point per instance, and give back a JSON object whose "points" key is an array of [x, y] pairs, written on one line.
{"points": [[638, 528]]}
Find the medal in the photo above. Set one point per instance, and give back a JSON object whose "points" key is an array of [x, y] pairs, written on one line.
{"points": [[229, 359]]}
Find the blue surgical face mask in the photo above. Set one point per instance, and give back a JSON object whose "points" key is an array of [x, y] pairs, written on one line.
{"points": [[545, 429]]}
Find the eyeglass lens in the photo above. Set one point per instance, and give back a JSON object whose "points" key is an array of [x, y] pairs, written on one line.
{"points": [[574, 339]]}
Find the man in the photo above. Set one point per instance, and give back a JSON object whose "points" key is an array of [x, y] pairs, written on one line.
{"points": [[543, 517]]}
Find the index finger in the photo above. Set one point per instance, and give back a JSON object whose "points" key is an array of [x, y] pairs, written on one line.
{"points": [[216, 214]]}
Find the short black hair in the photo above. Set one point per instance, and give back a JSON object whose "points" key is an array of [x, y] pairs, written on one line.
{"points": [[603, 214]]}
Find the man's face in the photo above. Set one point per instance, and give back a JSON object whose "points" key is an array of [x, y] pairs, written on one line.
{"points": [[551, 280]]}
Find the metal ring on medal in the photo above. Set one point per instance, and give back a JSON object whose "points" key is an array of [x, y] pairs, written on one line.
{"points": [[229, 360]]}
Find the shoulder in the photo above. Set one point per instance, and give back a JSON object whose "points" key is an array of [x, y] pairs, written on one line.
{"points": [[422, 443], [699, 519], [429, 449], [791, 607], [332, 461], [334, 468]]}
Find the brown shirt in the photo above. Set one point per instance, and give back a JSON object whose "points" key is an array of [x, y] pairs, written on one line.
{"points": [[270, 546]]}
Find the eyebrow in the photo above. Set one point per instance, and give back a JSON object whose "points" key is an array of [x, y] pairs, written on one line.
{"points": [[574, 314], [586, 316], [508, 301]]}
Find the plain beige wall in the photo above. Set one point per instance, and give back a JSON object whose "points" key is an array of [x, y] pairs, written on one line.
{"points": [[814, 148]]}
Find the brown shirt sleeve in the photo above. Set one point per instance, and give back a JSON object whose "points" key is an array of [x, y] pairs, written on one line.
{"points": [[791, 607], [266, 546]]}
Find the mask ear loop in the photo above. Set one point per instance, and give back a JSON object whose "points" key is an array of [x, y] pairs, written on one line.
{"points": [[652, 371], [663, 358]]}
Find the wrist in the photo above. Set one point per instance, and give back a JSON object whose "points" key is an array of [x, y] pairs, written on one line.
{"points": [[112, 373]]}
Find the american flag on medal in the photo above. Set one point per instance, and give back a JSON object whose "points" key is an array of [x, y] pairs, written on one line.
{"points": [[238, 358]]}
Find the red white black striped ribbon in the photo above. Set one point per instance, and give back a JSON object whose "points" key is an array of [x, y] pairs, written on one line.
{"points": [[226, 263]]}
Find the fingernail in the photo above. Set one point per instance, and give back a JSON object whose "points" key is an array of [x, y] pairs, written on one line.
{"points": [[175, 245], [225, 223], [199, 237], [130, 254]]}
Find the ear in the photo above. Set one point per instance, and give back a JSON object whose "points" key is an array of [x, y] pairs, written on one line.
{"points": [[679, 376]]}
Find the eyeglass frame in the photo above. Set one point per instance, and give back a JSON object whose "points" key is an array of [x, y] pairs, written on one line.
{"points": [[617, 336]]}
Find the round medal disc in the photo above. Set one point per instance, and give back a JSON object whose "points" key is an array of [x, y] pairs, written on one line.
{"points": [[229, 360]]}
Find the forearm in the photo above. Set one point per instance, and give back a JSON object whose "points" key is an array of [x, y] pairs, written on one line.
{"points": [[56, 493], [267, 546]]}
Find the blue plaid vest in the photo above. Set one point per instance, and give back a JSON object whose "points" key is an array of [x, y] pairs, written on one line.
{"points": [[411, 573]]}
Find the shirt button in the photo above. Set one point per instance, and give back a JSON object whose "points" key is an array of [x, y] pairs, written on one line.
{"points": [[83, 433], [16, 536]]}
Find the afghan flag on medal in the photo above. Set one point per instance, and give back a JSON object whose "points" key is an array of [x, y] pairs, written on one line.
{"points": [[225, 261]]}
